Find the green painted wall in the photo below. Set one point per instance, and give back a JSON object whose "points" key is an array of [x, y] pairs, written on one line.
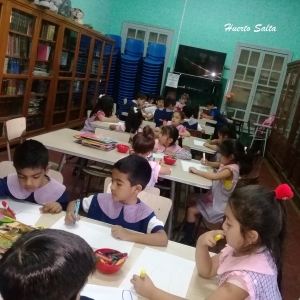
{"points": [[203, 22]]}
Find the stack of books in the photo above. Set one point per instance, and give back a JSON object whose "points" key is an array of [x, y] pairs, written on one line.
{"points": [[96, 141], [21, 22], [48, 32], [18, 46]]}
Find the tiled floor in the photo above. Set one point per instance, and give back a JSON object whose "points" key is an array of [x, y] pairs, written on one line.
{"points": [[291, 270]]}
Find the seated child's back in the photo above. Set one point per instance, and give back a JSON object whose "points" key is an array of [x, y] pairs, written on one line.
{"points": [[30, 182], [130, 175]]}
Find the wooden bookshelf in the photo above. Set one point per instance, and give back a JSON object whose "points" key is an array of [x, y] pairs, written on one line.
{"points": [[44, 55]]}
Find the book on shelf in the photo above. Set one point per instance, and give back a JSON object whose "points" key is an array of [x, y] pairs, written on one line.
{"points": [[43, 52], [48, 32], [21, 22]]}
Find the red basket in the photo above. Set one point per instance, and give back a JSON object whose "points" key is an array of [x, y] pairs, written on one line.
{"points": [[122, 148], [169, 160]]}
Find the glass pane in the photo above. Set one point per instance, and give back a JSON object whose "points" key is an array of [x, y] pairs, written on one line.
{"points": [[244, 56], [45, 49], [241, 92], [131, 33], [68, 53], [253, 118], [278, 63], [83, 54], [268, 61], [274, 79], [162, 39], [94, 72], [240, 72], [153, 37], [76, 99], [105, 62], [37, 104], [250, 74], [90, 96], [254, 58], [18, 48], [61, 102], [101, 89], [263, 100], [264, 77], [140, 35], [240, 114]]}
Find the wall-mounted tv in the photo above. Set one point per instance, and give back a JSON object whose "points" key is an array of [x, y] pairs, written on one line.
{"points": [[200, 62]]}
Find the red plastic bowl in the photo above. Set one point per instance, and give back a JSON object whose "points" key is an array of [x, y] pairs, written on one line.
{"points": [[105, 268], [122, 148], [169, 160]]}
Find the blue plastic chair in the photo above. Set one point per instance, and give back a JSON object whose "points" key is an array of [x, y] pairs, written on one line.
{"points": [[130, 58], [156, 51], [117, 38], [134, 47]]}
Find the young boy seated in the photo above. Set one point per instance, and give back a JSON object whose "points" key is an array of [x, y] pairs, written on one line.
{"points": [[165, 114], [189, 122], [150, 110], [215, 114], [122, 208], [30, 182], [46, 264]]}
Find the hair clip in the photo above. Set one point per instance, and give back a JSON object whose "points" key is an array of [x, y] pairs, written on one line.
{"points": [[101, 95], [284, 192], [135, 109], [245, 149]]}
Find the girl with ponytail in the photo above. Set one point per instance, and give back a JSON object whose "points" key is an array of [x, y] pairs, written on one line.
{"points": [[143, 145]]}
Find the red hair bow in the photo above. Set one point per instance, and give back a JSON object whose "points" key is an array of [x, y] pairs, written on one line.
{"points": [[283, 192]]}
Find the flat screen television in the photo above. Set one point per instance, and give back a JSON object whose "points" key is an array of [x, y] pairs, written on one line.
{"points": [[200, 62]]}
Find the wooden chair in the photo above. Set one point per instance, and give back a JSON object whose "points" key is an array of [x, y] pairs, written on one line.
{"points": [[6, 168], [160, 205], [119, 136]]}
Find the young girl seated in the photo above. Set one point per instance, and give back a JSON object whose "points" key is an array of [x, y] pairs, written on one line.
{"points": [[122, 208], [40, 263], [166, 143], [211, 205], [132, 123], [103, 111], [189, 122], [250, 266], [177, 120], [143, 145], [184, 99], [31, 183]]}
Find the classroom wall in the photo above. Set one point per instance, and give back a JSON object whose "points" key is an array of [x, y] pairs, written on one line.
{"points": [[203, 21]]}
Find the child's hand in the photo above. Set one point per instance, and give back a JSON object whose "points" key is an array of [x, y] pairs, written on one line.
{"points": [[204, 162], [193, 170], [4, 212], [165, 123], [51, 207], [157, 129], [143, 286], [121, 233], [71, 218], [208, 238]]}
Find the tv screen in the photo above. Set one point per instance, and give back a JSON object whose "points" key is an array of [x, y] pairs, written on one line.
{"points": [[200, 62]]}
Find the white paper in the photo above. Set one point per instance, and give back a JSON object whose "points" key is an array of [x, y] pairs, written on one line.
{"points": [[199, 143], [172, 80], [186, 165], [158, 155], [96, 236], [165, 270], [98, 292]]}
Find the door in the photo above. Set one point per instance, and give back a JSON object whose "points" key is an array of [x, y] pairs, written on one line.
{"points": [[256, 79], [148, 34]]}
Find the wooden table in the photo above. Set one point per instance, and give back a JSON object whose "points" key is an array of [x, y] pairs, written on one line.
{"points": [[63, 141], [203, 121], [105, 125], [199, 288], [189, 142]]}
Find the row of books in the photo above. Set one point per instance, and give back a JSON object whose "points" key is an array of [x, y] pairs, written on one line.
{"points": [[15, 66], [18, 45], [48, 32], [43, 52], [21, 22], [10, 106], [13, 87]]}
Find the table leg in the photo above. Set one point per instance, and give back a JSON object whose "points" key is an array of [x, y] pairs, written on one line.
{"points": [[62, 162], [170, 222]]}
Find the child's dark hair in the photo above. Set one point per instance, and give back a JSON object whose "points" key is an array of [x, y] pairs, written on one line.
{"points": [[185, 96], [31, 154], [46, 264], [242, 156], [228, 130], [137, 168], [149, 97], [181, 114], [141, 96], [134, 120], [210, 102], [256, 208], [143, 142], [191, 110], [172, 132], [169, 101], [106, 104]]}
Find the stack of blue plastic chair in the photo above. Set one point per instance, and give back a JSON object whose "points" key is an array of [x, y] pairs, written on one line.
{"points": [[114, 64], [130, 62], [152, 68]]}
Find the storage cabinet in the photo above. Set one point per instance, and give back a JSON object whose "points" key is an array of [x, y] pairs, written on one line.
{"points": [[283, 148], [53, 68]]}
